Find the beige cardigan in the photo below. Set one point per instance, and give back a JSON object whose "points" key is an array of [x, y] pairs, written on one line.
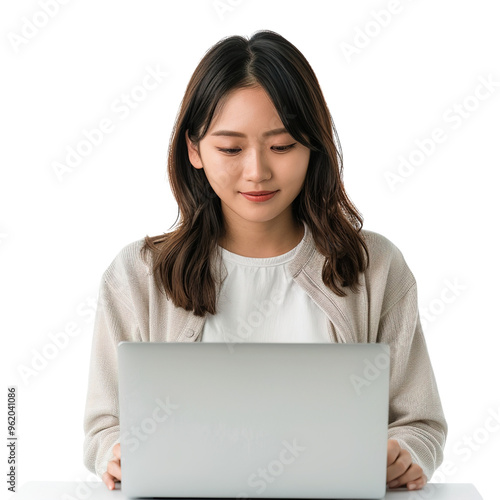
{"points": [[130, 307]]}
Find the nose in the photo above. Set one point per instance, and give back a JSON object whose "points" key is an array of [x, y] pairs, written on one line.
{"points": [[256, 168]]}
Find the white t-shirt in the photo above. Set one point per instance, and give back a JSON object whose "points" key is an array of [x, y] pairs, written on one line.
{"points": [[260, 302]]}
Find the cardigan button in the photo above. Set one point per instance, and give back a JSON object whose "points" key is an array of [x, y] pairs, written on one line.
{"points": [[189, 332]]}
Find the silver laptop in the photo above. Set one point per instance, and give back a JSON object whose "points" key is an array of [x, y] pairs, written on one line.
{"points": [[253, 420]]}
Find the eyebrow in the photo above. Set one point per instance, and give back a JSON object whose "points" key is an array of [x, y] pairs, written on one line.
{"points": [[269, 133]]}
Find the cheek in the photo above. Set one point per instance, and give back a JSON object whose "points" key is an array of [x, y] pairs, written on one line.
{"points": [[304, 158], [304, 165], [222, 175], [295, 171]]}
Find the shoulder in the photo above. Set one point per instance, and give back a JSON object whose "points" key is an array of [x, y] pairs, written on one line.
{"points": [[130, 264], [387, 268], [381, 249], [378, 242]]}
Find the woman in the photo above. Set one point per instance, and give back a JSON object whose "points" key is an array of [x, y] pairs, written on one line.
{"points": [[269, 248]]}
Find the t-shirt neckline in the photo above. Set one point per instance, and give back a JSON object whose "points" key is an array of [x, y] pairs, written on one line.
{"points": [[263, 261]]}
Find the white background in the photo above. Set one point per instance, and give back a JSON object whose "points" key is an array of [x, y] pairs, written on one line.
{"points": [[417, 68]]}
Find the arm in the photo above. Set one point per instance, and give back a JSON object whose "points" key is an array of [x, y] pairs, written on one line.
{"points": [[416, 418], [115, 321]]}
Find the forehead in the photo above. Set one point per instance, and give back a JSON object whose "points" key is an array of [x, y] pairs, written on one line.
{"points": [[245, 113]]}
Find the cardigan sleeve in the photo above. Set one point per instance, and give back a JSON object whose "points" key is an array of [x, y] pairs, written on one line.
{"points": [[416, 418], [114, 322]]}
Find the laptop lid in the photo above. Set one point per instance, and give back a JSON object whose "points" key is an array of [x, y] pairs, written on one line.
{"points": [[253, 420]]}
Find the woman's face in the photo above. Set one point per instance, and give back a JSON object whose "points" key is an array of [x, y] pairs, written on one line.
{"points": [[253, 160]]}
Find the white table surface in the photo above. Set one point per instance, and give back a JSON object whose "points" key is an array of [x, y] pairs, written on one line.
{"points": [[96, 490]]}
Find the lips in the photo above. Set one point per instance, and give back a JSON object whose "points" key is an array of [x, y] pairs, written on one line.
{"points": [[259, 198], [258, 193]]}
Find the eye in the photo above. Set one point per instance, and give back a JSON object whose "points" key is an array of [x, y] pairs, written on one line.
{"points": [[285, 148], [279, 149], [228, 151]]}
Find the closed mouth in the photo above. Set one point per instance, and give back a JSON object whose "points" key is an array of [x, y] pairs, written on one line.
{"points": [[259, 193]]}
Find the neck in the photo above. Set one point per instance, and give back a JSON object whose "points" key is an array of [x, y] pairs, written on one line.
{"points": [[268, 239]]}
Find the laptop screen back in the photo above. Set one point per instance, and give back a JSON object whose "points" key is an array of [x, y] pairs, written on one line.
{"points": [[256, 420]]}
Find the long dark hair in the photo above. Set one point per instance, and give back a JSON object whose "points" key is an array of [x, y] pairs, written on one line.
{"points": [[181, 259]]}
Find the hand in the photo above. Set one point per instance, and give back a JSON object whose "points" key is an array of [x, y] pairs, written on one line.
{"points": [[400, 469], [114, 472]]}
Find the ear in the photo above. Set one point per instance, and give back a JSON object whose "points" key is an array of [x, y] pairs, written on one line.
{"points": [[194, 156]]}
